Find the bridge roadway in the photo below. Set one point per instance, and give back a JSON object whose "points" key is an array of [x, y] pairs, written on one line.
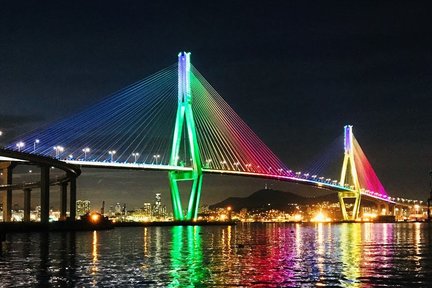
{"points": [[9, 159], [285, 178], [72, 169]]}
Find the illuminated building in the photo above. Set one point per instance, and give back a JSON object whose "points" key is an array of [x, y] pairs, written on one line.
{"points": [[159, 210], [147, 210], [82, 207], [117, 209]]}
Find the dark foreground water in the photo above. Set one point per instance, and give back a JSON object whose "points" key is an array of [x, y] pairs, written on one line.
{"points": [[247, 255]]}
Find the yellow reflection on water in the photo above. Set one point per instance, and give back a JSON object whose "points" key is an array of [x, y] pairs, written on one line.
{"points": [[94, 267], [417, 237], [226, 243], [351, 254], [417, 246], [320, 239], [146, 242], [95, 249]]}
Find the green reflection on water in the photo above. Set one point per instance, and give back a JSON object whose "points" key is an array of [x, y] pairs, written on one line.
{"points": [[187, 267]]}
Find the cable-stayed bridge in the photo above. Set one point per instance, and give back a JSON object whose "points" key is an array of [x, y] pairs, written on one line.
{"points": [[175, 121]]}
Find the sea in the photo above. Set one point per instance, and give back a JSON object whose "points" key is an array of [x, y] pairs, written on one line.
{"points": [[244, 255]]}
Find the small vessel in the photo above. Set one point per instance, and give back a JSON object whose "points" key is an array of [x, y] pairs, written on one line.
{"points": [[88, 221]]}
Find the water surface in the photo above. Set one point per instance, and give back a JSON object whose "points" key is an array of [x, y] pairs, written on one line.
{"points": [[246, 255]]}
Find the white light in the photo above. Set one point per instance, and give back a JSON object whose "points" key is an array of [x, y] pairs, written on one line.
{"points": [[20, 145], [112, 153], [156, 157], [59, 148], [135, 155], [86, 150]]}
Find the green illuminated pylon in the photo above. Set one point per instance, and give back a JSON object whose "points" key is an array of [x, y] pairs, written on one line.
{"points": [[349, 160], [185, 114]]}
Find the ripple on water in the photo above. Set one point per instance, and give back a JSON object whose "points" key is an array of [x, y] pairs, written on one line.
{"points": [[248, 255]]}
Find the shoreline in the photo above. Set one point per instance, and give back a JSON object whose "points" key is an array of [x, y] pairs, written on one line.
{"points": [[66, 226]]}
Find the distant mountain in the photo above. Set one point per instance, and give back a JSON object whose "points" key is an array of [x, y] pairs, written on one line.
{"points": [[272, 199]]}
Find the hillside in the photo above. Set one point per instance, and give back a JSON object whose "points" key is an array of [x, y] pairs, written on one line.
{"points": [[277, 199]]}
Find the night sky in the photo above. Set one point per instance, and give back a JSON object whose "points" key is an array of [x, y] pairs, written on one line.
{"points": [[295, 71]]}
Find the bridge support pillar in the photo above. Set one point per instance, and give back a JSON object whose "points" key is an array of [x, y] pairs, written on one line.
{"points": [[27, 204], [63, 200], [349, 166], [7, 170], [384, 209], [44, 193], [343, 205], [184, 118], [72, 199]]}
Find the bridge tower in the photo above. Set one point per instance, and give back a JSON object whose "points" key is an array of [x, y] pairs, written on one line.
{"points": [[185, 117], [349, 167]]}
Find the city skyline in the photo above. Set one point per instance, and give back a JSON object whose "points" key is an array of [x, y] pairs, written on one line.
{"points": [[374, 77]]}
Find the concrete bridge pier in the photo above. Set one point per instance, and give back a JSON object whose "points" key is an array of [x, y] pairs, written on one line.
{"points": [[383, 208], [63, 201], [27, 204], [72, 199], [6, 169], [44, 193], [391, 209], [399, 212]]}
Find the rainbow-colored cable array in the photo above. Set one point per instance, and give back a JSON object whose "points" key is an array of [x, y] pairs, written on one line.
{"points": [[366, 175]]}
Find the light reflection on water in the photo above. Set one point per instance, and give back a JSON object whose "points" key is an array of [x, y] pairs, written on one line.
{"points": [[258, 255]]}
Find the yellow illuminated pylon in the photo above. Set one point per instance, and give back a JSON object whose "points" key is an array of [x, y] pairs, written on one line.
{"points": [[349, 162]]}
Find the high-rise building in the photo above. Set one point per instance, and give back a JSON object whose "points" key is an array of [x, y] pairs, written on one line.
{"points": [[82, 207], [118, 209], [147, 210], [159, 210]]}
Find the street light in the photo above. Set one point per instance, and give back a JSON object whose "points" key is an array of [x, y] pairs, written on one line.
{"points": [[58, 150], [20, 145], [135, 155], [156, 157], [37, 141], [86, 150], [112, 153], [223, 163], [208, 161]]}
